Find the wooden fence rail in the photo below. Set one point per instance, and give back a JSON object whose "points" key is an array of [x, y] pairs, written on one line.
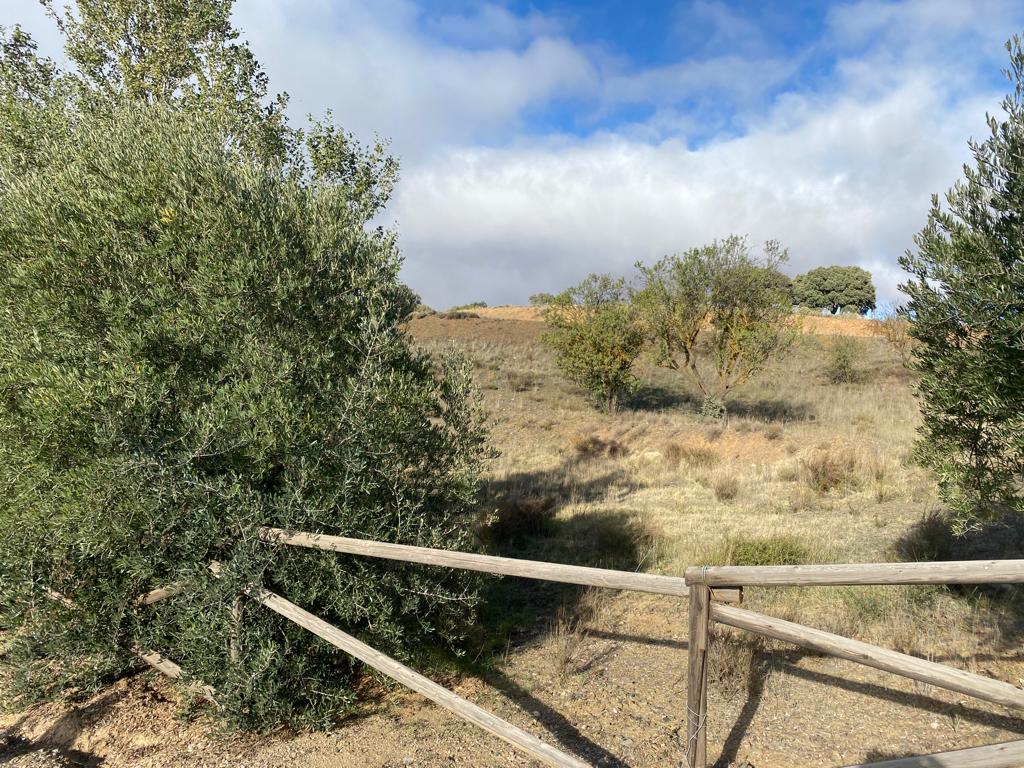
{"points": [[464, 708], [501, 566], [1007, 755], [984, 688], [859, 574], [710, 589], [704, 611]]}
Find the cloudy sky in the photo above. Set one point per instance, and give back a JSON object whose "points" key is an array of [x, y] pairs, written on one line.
{"points": [[541, 141]]}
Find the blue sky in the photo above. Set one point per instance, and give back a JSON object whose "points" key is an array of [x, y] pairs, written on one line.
{"points": [[541, 141]]}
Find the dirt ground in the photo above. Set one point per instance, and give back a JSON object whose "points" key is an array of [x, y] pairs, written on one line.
{"points": [[609, 686], [618, 702]]}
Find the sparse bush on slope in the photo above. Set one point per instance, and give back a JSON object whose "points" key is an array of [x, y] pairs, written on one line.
{"points": [[595, 337]]}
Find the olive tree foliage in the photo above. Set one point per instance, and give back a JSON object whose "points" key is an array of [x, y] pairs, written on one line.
{"points": [[593, 332], [202, 338], [187, 54], [966, 313], [718, 313], [835, 289]]}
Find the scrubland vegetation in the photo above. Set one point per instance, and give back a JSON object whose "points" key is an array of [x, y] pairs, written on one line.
{"points": [[808, 468], [205, 333]]}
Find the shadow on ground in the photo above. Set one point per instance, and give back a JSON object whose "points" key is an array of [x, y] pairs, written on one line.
{"points": [[58, 740], [765, 663], [931, 539]]}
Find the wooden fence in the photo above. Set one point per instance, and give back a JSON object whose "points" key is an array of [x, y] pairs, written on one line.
{"points": [[705, 610], [714, 593]]}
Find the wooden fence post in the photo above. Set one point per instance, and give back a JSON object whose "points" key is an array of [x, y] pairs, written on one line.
{"points": [[697, 684]]}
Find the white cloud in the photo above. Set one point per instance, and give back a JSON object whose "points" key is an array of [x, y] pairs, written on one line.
{"points": [[490, 25], [839, 166], [374, 67], [846, 181]]}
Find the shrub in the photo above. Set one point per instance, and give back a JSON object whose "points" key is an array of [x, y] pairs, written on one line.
{"points": [[726, 487], [422, 310], [844, 356], [464, 307], [895, 329], [828, 468], [197, 344], [594, 335], [693, 454], [768, 550], [521, 381], [592, 446]]}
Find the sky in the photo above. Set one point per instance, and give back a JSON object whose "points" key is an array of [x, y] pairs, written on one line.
{"points": [[542, 141]]}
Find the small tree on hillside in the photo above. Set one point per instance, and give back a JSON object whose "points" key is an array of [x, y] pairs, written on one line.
{"points": [[740, 301], [895, 329], [595, 337], [835, 288], [541, 299], [967, 314]]}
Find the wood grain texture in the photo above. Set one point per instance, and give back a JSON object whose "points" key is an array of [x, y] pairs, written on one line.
{"points": [[956, 572], [505, 566], [697, 678], [172, 670], [1007, 755], [158, 594], [467, 710], [984, 688]]}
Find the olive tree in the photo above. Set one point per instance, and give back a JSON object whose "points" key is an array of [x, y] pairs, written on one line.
{"points": [[204, 334], [722, 292], [966, 313], [595, 337]]}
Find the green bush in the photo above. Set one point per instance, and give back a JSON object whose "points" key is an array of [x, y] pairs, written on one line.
{"points": [[594, 334], [718, 307], [768, 550], [195, 345], [843, 365]]}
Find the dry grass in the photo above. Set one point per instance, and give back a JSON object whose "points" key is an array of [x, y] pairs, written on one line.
{"points": [[591, 447], [643, 495], [726, 487], [692, 454], [828, 468], [803, 471], [570, 629]]}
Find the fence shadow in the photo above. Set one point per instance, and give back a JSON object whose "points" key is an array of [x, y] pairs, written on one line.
{"points": [[60, 737], [561, 730], [765, 663]]}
